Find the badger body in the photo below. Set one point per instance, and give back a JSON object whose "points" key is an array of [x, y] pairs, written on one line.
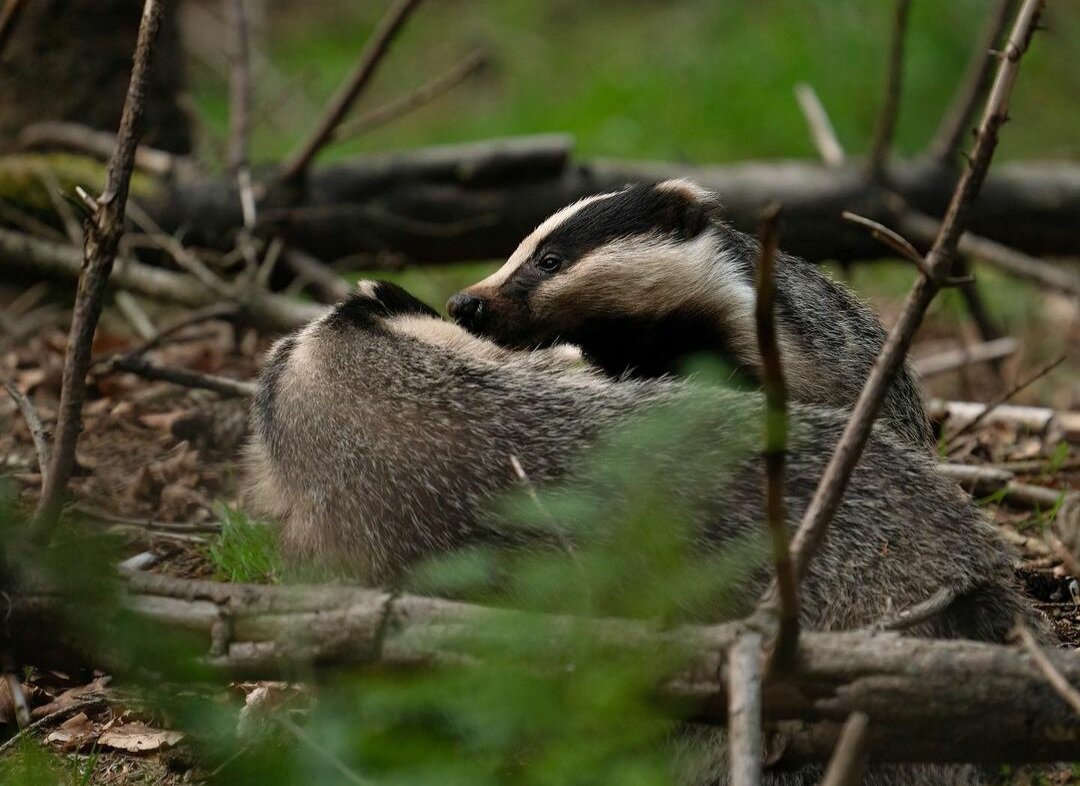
{"points": [[381, 436], [642, 278]]}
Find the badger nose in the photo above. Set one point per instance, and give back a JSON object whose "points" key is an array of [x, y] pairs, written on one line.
{"points": [[466, 309]]}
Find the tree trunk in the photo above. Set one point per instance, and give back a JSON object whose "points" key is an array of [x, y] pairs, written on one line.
{"points": [[70, 60]]}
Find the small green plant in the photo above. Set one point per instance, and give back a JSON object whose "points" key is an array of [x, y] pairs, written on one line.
{"points": [[245, 551]]}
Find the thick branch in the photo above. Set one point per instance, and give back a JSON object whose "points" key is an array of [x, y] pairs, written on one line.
{"points": [[476, 201], [103, 231], [930, 700]]}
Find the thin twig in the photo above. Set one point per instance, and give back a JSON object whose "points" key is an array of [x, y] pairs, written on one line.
{"points": [[9, 17], [239, 87], [18, 697], [1017, 263], [473, 63], [1055, 678], [821, 128], [185, 258], [962, 357], [224, 311], [103, 232], [52, 134], [920, 612], [135, 315], [776, 427], [374, 51], [304, 737], [37, 431], [230, 388], [886, 128], [1005, 397], [894, 240], [957, 118], [849, 757], [744, 710], [63, 712], [327, 285], [834, 482]]}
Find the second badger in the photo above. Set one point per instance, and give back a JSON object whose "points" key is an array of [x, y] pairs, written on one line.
{"points": [[382, 435], [643, 277]]}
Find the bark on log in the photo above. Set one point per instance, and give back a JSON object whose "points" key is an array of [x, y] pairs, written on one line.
{"points": [[926, 699], [477, 201]]}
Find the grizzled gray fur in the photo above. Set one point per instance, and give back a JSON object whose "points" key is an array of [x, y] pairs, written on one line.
{"points": [[642, 278], [381, 434]]}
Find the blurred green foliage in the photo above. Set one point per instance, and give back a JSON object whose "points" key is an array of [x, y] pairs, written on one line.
{"points": [[693, 79], [245, 551]]}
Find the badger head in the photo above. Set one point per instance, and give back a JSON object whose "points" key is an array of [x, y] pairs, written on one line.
{"points": [[599, 268]]}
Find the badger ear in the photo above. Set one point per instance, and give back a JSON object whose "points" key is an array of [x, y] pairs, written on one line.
{"points": [[693, 208]]}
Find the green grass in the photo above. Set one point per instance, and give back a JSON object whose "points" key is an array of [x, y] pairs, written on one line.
{"points": [[693, 80], [245, 551]]}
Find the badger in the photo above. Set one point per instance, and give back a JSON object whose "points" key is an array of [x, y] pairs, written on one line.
{"points": [[643, 277], [381, 436]]}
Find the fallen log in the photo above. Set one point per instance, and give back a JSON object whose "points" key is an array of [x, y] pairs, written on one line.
{"points": [[476, 201], [926, 699]]}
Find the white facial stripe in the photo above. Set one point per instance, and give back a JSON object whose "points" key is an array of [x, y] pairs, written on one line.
{"points": [[529, 244], [645, 275]]}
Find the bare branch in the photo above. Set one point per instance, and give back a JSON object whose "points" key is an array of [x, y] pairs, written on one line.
{"points": [[1010, 260], [1006, 397], [374, 51], [239, 87], [890, 238], [744, 710], [9, 17], [33, 422], [849, 759], [957, 118], [137, 364], [185, 258], [472, 64], [1057, 681], [226, 311], [101, 144], [18, 698], [984, 480], [920, 612], [103, 232], [954, 359], [328, 285], [834, 482], [821, 128], [886, 128], [25, 252], [776, 427]]}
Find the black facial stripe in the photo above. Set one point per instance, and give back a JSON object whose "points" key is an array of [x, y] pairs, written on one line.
{"points": [[637, 210]]}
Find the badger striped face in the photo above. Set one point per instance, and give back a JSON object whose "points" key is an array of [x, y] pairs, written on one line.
{"points": [[610, 256]]}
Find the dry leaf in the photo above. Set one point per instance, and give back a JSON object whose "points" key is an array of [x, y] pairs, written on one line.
{"points": [[138, 738]]}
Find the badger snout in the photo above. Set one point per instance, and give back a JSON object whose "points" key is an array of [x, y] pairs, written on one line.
{"points": [[467, 310]]}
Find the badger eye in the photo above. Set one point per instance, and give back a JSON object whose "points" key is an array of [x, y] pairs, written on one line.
{"points": [[549, 263]]}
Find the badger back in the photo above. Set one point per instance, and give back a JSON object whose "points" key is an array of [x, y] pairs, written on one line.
{"points": [[374, 449]]}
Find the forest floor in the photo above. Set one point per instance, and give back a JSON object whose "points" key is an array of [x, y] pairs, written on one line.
{"points": [[159, 467]]}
